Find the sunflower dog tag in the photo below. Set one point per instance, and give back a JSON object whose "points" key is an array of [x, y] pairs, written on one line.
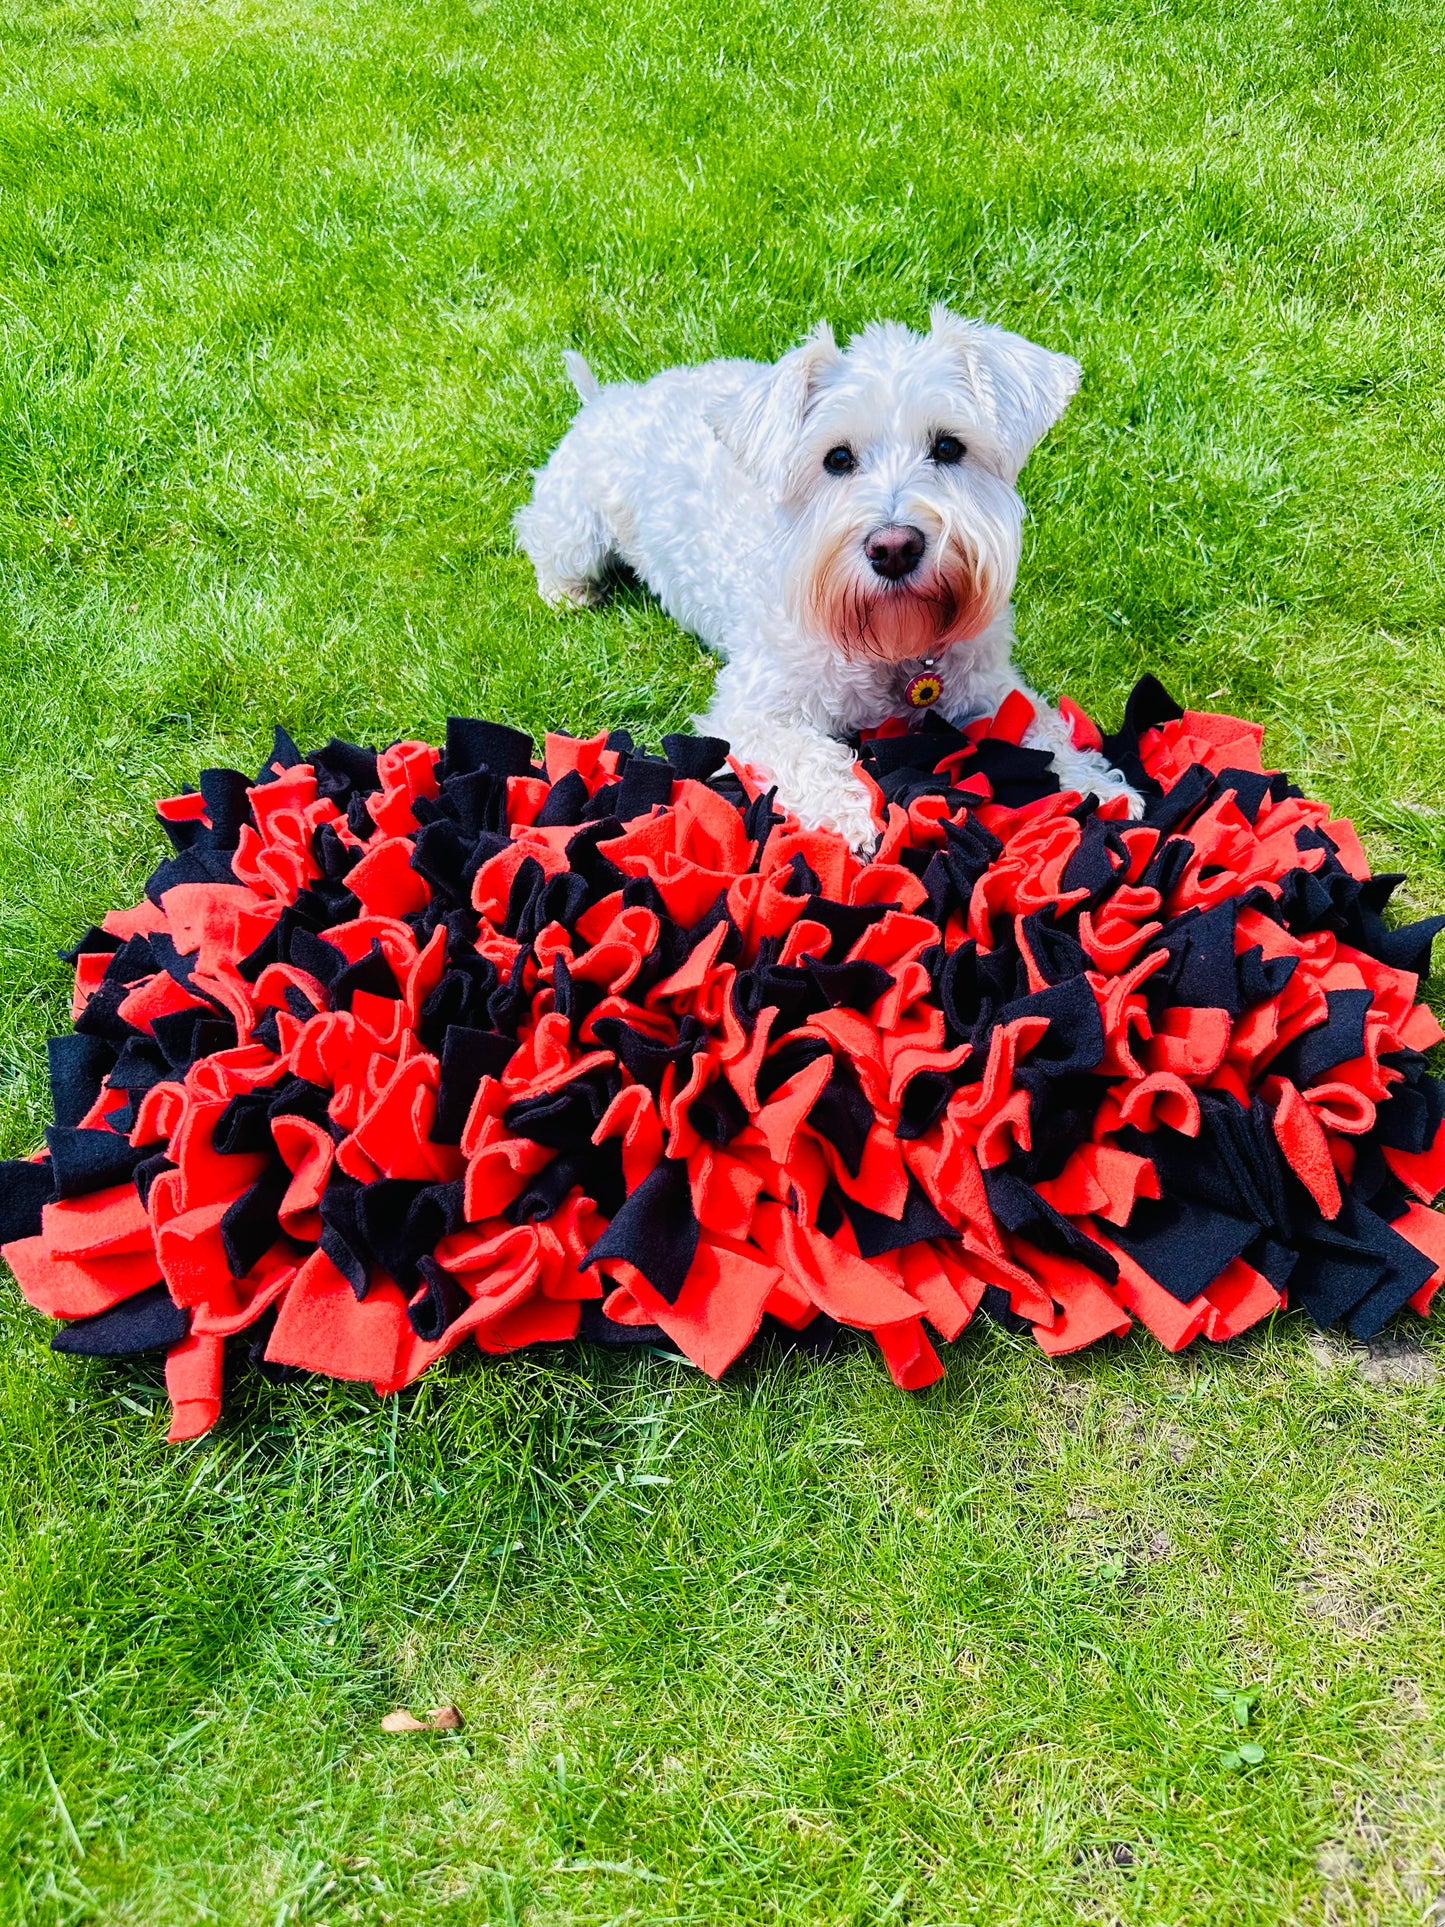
{"points": [[924, 689]]}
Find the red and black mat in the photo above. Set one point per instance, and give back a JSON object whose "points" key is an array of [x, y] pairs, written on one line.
{"points": [[407, 1048]]}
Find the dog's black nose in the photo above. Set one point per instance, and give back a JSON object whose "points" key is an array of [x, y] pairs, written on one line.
{"points": [[895, 551]]}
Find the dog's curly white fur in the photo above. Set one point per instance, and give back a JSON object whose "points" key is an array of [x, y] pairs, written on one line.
{"points": [[826, 523]]}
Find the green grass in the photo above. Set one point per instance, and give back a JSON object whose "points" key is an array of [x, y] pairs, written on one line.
{"points": [[286, 284]]}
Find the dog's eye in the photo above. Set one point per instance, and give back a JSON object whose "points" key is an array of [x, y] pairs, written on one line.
{"points": [[946, 449], [840, 460]]}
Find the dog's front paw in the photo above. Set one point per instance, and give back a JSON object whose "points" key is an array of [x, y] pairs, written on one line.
{"points": [[857, 828], [568, 591], [813, 775], [1089, 774], [846, 809], [1133, 802]]}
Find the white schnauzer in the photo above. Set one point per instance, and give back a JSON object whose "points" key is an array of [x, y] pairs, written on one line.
{"points": [[842, 527]]}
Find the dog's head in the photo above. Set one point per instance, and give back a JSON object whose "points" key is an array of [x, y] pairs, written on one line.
{"points": [[893, 466]]}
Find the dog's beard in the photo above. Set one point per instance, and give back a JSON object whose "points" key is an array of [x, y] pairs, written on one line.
{"points": [[865, 617]]}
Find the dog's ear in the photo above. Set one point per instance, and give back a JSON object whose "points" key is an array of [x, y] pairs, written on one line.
{"points": [[1019, 388], [761, 424]]}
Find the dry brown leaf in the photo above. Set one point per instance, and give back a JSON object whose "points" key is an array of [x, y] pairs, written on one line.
{"points": [[441, 1719]]}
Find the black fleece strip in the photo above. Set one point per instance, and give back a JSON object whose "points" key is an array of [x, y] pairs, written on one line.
{"points": [[147, 1322], [26, 1187], [344, 768], [473, 745], [250, 1226], [1201, 972], [468, 1055], [1360, 1249], [438, 1303], [1339, 1040], [566, 1118], [371, 973], [185, 1035], [646, 783], [78, 1065], [147, 1171], [343, 1238], [1058, 956], [1019, 1208], [477, 802], [283, 755], [1183, 1246], [1074, 1040], [995, 1304], [842, 1116], [877, 1234], [718, 1114], [86, 1161], [245, 1124], [402, 1220], [1272, 1260], [850, 986], [134, 961], [224, 793], [695, 757], [655, 1231], [596, 1328], [925, 1099], [139, 1067], [565, 802]]}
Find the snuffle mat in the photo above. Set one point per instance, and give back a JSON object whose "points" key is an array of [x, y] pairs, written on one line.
{"points": [[412, 1049]]}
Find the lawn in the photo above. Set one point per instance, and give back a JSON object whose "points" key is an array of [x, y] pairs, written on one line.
{"points": [[286, 285]]}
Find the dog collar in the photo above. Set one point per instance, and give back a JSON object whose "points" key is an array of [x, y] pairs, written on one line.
{"points": [[923, 690]]}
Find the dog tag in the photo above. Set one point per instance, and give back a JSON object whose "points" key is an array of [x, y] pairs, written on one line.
{"points": [[923, 690]]}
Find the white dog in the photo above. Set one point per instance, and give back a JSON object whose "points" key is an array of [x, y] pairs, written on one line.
{"points": [[842, 527]]}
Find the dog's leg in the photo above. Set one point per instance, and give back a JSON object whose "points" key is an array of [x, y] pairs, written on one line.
{"points": [[568, 542], [813, 772], [1085, 770], [563, 529], [970, 693]]}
